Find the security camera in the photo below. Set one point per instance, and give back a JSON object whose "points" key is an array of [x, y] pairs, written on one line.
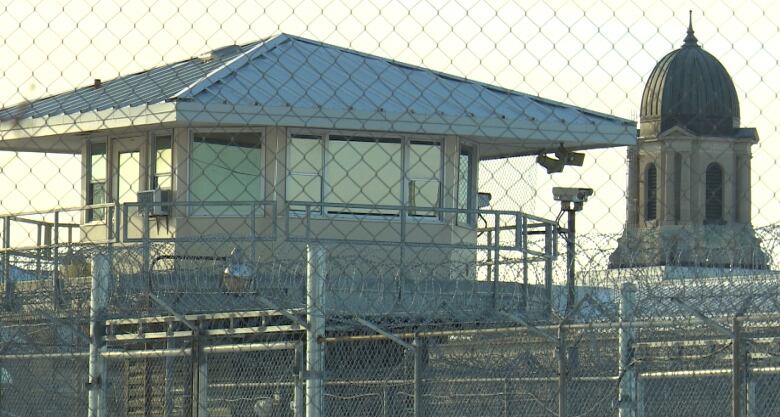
{"points": [[571, 195]]}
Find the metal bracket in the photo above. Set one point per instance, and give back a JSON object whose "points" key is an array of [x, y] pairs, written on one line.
{"points": [[706, 320], [271, 305], [385, 333], [531, 328], [173, 312]]}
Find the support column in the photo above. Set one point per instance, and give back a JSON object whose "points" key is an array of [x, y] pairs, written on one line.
{"points": [[316, 270], [632, 190], [563, 373], [669, 173], [686, 188], [98, 375], [627, 390]]}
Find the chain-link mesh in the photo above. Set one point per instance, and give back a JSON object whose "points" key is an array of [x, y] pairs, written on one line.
{"points": [[383, 209]]}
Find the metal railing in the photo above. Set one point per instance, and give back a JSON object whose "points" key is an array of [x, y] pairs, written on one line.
{"points": [[496, 245]]}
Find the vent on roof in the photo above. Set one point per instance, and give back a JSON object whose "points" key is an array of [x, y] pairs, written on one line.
{"points": [[220, 53]]}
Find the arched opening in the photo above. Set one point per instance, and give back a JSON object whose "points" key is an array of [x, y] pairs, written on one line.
{"points": [[713, 199], [651, 186]]}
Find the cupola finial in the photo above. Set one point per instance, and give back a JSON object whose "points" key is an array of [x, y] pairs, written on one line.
{"points": [[690, 39]]}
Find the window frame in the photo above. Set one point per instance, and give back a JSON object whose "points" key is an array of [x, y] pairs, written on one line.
{"points": [[153, 182], [404, 178], [90, 217], [470, 151], [193, 210], [720, 197], [651, 191]]}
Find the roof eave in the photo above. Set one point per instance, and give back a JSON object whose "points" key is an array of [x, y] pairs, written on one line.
{"points": [[17, 134], [526, 136]]}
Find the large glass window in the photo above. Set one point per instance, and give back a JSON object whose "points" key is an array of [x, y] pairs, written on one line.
{"points": [[225, 167], [364, 171], [96, 189], [378, 173], [304, 170]]}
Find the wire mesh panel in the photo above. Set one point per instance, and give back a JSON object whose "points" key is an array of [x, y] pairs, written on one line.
{"points": [[257, 208]]}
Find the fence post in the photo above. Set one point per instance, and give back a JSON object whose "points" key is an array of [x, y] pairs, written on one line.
{"points": [[200, 381], [170, 343], [751, 399], [563, 371], [299, 399], [420, 356], [737, 371], [627, 390], [98, 375], [316, 270]]}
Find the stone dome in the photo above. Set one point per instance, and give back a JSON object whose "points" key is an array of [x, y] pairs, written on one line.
{"points": [[689, 88]]}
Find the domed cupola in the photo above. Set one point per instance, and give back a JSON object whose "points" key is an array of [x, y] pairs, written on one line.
{"points": [[689, 88]]}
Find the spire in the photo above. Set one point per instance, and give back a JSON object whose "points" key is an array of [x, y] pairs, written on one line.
{"points": [[690, 39]]}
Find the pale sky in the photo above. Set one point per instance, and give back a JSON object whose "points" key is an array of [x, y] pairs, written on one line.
{"points": [[590, 54]]}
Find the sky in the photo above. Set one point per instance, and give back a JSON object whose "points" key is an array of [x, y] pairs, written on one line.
{"points": [[590, 54]]}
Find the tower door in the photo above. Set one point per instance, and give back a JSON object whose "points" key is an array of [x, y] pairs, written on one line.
{"points": [[129, 172]]}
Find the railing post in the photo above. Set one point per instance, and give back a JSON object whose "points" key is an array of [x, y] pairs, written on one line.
{"points": [[55, 278], [38, 251], [98, 375], [524, 240], [627, 390], [146, 248], [316, 270], [496, 255], [7, 277]]}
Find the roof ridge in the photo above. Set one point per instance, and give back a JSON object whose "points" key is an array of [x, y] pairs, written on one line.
{"points": [[229, 66]]}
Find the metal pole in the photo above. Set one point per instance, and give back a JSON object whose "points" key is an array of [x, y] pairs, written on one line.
{"points": [[55, 278], [548, 260], [737, 372], [7, 277], [496, 254], [627, 390], [420, 353], [316, 270], [299, 399], [563, 372], [570, 254], [147, 247], [199, 377], [170, 344], [101, 272]]}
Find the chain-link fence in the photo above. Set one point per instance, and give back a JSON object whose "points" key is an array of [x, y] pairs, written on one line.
{"points": [[388, 209]]}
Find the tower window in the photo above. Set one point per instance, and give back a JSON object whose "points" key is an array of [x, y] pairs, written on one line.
{"points": [[713, 199], [651, 183]]}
